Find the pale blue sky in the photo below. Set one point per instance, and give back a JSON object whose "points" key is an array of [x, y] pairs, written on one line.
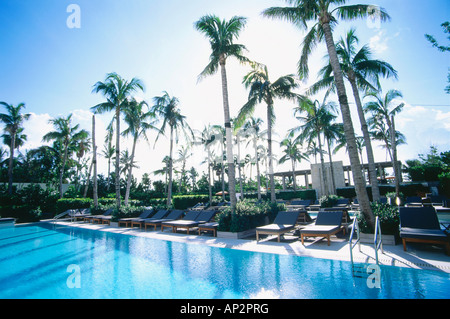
{"points": [[52, 68]]}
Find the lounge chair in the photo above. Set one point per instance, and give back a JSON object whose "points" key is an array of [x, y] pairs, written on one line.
{"points": [[343, 202], [414, 201], [174, 215], [80, 214], [145, 214], [190, 221], [92, 218], [158, 215], [283, 223], [327, 223], [346, 219], [212, 227], [299, 204], [421, 225]]}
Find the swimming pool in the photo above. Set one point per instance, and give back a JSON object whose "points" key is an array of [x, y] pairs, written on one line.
{"points": [[73, 263]]}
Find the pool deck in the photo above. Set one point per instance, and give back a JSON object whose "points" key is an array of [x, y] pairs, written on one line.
{"points": [[417, 256]]}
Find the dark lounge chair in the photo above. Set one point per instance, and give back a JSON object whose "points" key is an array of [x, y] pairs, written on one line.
{"points": [[190, 221], [145, 214], [212, 227], [421, 225], [158, 215], [328, 223], [174, 215], [283, 223], [299, 204]]}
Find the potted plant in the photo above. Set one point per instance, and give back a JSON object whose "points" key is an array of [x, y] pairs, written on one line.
{"points": [[389, 219]]}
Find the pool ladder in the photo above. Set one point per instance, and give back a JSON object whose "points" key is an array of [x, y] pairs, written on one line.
{"points": [[360, 270]]}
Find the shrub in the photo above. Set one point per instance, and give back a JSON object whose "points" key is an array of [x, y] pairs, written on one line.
{"points": [[248, 215], [72, 203], [388, 216], [328, 201], [186, 201]]}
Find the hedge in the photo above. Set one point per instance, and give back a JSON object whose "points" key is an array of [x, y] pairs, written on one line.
{"points": [[248, 215], [410, 189]]}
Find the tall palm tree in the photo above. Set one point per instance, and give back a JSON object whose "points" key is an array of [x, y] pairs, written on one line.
{"points": [[68, 136], [166, 108], [293, 153], [384, 108], [221, 35], [263, 90], [325, 14], [362, 72], [137, 120], [13, 120], [116, 91]]}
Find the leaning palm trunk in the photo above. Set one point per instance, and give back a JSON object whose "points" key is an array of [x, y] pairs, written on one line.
{"points": [[360, 186], [365, 130], [229, 137]]}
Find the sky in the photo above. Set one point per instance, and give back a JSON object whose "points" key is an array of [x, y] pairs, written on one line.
{"points": [[52, 67]]}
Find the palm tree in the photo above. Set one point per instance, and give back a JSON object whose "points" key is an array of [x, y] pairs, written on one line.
{"points": [[136, 118], [221, 35], [383, 110], [117, 91], [166, 108], [253, 133], [325, 17], [293, 153], [313, 127], [13, 120], [263, 90], [68, 136], [363, 73], [206, 138]]}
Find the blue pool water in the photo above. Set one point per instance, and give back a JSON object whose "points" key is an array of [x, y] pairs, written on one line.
{"points": [[46, 263]]}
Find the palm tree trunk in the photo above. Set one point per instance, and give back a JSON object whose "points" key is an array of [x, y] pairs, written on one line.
{"points": [[293, 174], [360, 186], [230, 158], [239, 167], [273, 198], [133, 151], [11, 162], [118, 157], [169, 187], [209, 178], [61, 174], [94, 160], [367, 142], [322, 165], [333, 180], [258, 173], [391, 124]]}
